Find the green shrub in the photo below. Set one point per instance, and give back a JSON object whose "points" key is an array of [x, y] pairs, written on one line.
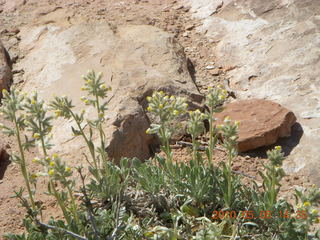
{"points": [[158, 198]]}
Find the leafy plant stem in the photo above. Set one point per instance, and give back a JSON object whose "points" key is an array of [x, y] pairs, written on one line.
{"points": [[23, 165]]}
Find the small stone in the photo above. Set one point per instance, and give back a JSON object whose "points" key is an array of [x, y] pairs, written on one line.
{"points": [[189, 27], [209, 67], [178, 7], [215, 72], [185, 34]]}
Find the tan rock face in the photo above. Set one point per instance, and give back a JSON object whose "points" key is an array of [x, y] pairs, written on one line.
{"points": [[135, 60], [5, 69], [262, 122]]}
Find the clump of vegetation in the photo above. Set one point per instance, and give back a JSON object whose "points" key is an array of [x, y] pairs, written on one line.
{"points": [[158, 198]]}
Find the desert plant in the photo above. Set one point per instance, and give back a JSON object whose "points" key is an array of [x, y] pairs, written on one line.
{"points": [[153, 199]]}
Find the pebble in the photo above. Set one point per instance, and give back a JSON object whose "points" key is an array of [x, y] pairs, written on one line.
{"points": [[189, 27], [209, 67]]}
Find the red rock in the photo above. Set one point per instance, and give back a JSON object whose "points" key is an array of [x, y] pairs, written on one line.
{"points": [[5, 69], [262, 122]]}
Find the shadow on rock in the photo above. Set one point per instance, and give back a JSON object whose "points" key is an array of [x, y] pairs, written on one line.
{"points": [[287, 143], [4, 162]]}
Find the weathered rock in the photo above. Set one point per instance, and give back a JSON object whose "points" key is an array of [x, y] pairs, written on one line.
{"points": [[277, 42], [5, 69], [135, 60], [12, 5], [262, 122]]}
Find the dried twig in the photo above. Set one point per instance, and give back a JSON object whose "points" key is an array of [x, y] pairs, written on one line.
{"points": [[60, 229]]}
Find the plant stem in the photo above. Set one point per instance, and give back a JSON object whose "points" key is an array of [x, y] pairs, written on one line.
{"points": [[88, 144], [62, 230], [61, 203], [194, 149], [23, 165], [211, 135], [272, 190], [229, 180], [104, 158], [74, 206]]}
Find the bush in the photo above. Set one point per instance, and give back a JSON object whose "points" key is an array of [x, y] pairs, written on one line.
{"points": [[158, 198]]}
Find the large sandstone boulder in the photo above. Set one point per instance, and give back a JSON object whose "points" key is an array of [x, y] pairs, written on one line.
{"points": [[262, 122], [272, 48], [5, 69], [135, 60]]}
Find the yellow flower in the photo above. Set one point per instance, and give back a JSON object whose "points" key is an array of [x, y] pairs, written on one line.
{"points": [[36, 135], [209, 88], [219, 86], [237, 123], [175, 112], [86, 101], [149, 109], [4, 91], [101, 115], [278, 148], [83, 98], [52, 164], [103, 86], [68, 169], [314, 211], [307, 204], [225, 92], [222, 97], [149, 98], [317, 220], [58, 113], [161, 93], [55, 156], [48, 159], [220, 126], [172, 98], [227, 119], [148, 131], [198, 111], [51, 172], [89, 81], [83, 88], [35, 160], [33, 101], [34, 176], [161, 106]]}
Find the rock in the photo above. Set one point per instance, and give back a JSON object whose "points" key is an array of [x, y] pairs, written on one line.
{"points": [[12, 5], [135, 60], [262, 122], [190, 27], [4, 160], [5, 69], [215, 72], [205, 8], [209, 67], [268, 39]]}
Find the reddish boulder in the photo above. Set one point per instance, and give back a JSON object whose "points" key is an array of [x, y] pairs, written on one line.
{"points": [[5, 69], [262, 122]]}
